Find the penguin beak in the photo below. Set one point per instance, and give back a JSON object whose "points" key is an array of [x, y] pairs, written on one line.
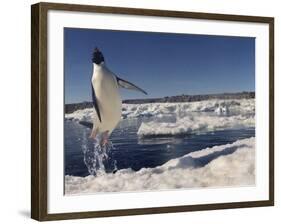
{"points": [[97, 56]]}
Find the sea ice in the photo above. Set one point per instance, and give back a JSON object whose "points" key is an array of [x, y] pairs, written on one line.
{"points": [[218, 166], [184, 118]]}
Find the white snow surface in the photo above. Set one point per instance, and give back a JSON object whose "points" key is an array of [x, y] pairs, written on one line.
{"points": [[195, 123], [182, 118], [218, 166]]}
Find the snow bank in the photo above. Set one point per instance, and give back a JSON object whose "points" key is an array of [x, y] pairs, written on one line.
{"points": [[225, 165]]}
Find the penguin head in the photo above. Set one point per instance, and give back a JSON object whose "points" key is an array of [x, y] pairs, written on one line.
{"points": [[97, 57]]}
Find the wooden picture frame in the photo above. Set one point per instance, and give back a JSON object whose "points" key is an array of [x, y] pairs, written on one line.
{"points": [[39, 109]]}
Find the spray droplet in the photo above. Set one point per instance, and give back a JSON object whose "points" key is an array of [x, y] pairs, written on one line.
{"points": [[98, 158]]}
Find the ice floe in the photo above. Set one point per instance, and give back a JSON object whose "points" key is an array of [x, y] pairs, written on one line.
{"points": [[194, 124]]}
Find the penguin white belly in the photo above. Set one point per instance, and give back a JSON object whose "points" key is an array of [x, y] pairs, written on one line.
{"points": [[108, 99]]}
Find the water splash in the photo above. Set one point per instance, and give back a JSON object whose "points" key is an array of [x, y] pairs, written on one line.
{"points": [[98, 158]]}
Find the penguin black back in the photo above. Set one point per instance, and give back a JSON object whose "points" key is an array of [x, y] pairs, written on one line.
{"points": [[97, 57]]}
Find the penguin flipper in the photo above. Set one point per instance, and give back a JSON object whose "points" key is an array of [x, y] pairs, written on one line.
{"points": [[128, 85], [95, 102]]}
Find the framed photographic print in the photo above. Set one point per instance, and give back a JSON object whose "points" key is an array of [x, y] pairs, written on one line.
{"points": [[139, 111]]}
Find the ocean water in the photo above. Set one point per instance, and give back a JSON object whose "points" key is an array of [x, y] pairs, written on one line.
{"points": [[128, 150]]}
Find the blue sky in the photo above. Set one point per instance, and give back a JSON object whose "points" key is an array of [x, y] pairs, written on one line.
{"points": [[163, 64]]}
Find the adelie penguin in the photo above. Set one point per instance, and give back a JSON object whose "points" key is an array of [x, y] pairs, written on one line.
{"points": [[106, 97]]}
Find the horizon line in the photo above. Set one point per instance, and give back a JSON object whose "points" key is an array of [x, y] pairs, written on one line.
{"points": [[240, 92]]}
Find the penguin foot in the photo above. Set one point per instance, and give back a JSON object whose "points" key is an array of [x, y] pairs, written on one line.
{"points": [[105, 137], [105, 142], [93, 134]]}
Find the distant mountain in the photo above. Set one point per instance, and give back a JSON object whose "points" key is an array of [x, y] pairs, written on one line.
{"points": [[69, 108]]}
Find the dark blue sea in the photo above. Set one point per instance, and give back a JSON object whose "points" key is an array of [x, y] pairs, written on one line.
{"points": [[129, 151]]}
